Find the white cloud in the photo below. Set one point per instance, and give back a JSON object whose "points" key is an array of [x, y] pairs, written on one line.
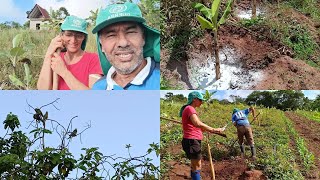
{"points": [[311, 94], [9, 12], [220, 94], [226, 94], [80, 8]]}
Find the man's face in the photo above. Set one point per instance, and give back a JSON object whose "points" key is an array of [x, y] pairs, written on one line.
{"points": [[123, 45]]}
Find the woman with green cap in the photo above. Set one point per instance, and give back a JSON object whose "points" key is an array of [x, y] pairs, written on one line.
{"points": [[192, 132], [77, 69]]}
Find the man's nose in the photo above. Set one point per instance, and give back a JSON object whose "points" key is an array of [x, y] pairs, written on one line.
{"points": [[123, 40]]}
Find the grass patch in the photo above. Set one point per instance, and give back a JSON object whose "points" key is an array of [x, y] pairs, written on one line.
{"points": [[293, 34], [312, 115]]}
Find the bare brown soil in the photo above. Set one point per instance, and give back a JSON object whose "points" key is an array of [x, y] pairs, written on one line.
{"points": [[225, 169], [256, 51], [309, 131]]}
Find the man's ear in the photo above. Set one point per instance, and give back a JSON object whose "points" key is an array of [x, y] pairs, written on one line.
{"points": [[100, 44]]}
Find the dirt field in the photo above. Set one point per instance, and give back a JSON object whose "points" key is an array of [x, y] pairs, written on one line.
{"points": [[309, 131]]}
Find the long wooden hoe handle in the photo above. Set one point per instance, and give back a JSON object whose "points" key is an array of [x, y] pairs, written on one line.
{"points": [[210, 159], [56, 76]]}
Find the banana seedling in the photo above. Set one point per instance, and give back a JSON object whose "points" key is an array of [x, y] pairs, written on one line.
{"points": [[210, 21]]}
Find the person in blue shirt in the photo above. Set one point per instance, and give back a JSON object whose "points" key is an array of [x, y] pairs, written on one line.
{"points": [[129, 50], [241, 122]]}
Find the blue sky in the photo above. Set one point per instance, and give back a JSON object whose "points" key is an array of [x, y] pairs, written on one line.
{"points": [[117, 117], [311, 94], [15, 10]]}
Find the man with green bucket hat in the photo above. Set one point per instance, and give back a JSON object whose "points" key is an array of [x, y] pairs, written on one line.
{"points": [[192, 132], [76, 69], [129, 50], [241, 122]]}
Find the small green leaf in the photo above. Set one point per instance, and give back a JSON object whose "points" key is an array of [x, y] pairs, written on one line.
{"points": [[205, 24], [83, 168], [35, 130], [17, 40], [47, 131], [226, 13], [17, 51], [29, 47], [16, 81], [215, 10], [27, 76], [203, 9]]}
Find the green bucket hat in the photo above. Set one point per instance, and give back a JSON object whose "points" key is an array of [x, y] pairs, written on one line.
{"points": [[126, 12], [194, 94], [235, 110], [73, 23]]}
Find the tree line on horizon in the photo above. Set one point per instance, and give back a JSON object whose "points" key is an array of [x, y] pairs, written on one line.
{"points": [[281, 99]]}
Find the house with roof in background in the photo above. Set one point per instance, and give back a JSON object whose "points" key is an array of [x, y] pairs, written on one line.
{"points": [[38, 17]]}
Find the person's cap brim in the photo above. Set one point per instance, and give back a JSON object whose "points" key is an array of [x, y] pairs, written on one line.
{"points": [[106, 23]]}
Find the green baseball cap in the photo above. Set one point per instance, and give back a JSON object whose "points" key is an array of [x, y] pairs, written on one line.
{"points": [[194, 94], [73, 23], [126, 12]]}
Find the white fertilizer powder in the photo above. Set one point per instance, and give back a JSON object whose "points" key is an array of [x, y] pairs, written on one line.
{"points": [[233, 76]]}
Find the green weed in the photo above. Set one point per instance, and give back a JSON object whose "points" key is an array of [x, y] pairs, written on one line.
{"points": [[251, 22], [312, 115]]}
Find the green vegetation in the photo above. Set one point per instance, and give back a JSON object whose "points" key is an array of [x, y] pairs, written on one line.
{"points": [[178, 27], [278, 156], [252, 22], [27, 155], [313, 115], [305, 156], [287, 27], [309, 7]]}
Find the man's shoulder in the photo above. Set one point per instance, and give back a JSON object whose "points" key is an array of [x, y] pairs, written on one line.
{"points": [[101, 84], [152, 81]]}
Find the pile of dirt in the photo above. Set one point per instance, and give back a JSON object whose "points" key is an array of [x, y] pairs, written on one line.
{"points": [[309, 131]]}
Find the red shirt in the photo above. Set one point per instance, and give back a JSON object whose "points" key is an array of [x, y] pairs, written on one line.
{"points": [[189, 130], [88, 64]]}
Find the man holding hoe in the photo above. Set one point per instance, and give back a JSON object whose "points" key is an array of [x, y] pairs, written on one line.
{"points": [[241, 122]]}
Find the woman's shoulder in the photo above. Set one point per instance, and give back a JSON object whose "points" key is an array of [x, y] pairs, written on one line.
{"points": [[188, 107], [91, 55]]}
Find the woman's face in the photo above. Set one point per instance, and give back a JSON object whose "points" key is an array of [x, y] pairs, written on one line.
{"points": [[197, 102], [73, 40]]}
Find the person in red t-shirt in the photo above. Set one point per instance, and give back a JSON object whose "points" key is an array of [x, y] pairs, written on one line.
{"points": [[77, 69], [192, 132]]}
